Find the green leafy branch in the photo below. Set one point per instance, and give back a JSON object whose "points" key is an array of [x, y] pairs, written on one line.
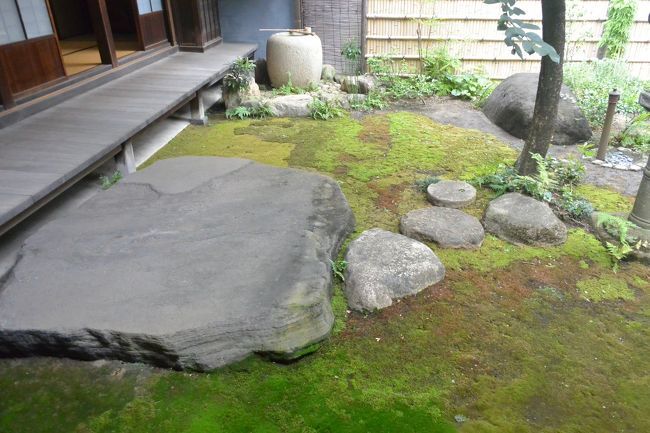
{"points": [[519, 34]]}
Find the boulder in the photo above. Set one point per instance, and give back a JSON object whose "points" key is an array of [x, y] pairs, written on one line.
{"points": [[192, 263], [522, 220], [511, 105], [357, 84], [236, 98], [367, 83], [291, 105], [449, 228], [328, 73], [644, 99], [384, 266], [451, 193]]}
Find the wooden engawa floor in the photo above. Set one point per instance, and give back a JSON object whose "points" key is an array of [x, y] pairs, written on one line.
{"points": [[42, 155]]}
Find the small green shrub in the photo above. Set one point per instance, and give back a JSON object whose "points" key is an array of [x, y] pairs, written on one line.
{"points": [[263, 111], [555, 184], [108, 181], [351, 51], [320, 109], [338, 268], [637, 135], [591, 83], [440, 64], [240, 75], [397, 81], [619, 228], [444, 69], [620, 18], [423, 184], [240, 113]]}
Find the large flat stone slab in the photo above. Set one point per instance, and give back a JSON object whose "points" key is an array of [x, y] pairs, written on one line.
{"points": [[190, 264]]}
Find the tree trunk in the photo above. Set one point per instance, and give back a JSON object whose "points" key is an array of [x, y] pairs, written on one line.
{"points": [[548, 89]]}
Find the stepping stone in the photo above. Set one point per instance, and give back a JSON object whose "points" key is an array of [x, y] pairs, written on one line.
{"points": [[449, 228], [522, 220], [192, 263], [451, 193], [384, 266]]}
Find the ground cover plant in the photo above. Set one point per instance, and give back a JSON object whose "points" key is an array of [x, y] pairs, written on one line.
{"points": [[591, 83], [442, 76], [515, 340]]}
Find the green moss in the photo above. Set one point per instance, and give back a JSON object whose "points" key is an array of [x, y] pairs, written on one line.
{"points": [[497, 254], [506, 340], [222, 139], [606, 200], [606, 288]]}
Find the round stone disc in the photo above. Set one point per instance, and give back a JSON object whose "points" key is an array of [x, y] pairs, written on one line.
{"points": [[451, 193]]}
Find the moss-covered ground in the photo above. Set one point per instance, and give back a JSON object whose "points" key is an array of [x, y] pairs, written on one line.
{"points": [[516, 339]]}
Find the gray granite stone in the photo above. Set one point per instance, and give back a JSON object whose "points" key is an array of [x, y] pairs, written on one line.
{"points": [[192, 263]]}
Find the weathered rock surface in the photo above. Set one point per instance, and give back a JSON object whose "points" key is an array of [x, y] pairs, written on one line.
{"points": [[357, 84], [520, 219], [636, 236], [644, 100], [291, 105], [511, 107], [328, 73], [190, 264], [383, 266], [235, 98], [449, 228], [451, 193]]}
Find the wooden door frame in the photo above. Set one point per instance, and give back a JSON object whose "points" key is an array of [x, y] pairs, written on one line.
{"points": [[103, 33]]}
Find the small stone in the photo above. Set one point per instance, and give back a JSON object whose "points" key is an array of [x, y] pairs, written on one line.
{"points": [[621, 167], [607, 165], [329, 72], [634, 167], [597, 162], [236, 98], [522, 220], [385, 266], [449, 228], [644, 100], [291, 105], [451, 193]]}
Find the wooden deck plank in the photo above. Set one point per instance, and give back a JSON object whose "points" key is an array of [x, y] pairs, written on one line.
{"points": [[44, 152]]}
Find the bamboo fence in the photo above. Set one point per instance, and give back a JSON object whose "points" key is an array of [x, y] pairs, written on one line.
{"points": [[403, 29]]}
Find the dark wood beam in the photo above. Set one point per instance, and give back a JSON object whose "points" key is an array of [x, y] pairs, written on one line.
{"points": [[103, 33], [171, 31]]}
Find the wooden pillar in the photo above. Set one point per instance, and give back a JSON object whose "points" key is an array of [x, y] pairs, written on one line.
{"points": [[6, 95], [102, 27], [171, 31], [125, 160], [197, 110]]}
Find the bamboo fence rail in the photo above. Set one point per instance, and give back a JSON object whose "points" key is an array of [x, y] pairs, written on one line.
{"points": [[402, 29]]}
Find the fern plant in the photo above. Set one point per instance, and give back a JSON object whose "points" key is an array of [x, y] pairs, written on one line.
{"points": [[240, 113], [618, 228]]}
